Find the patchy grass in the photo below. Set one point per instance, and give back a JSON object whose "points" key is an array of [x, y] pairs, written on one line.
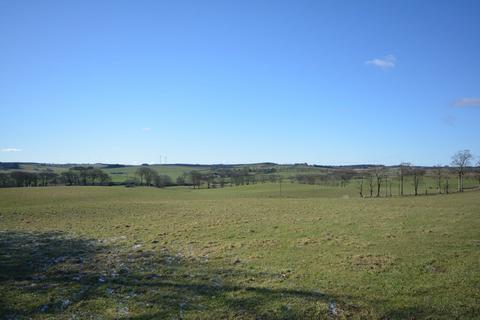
{"points": [[237, 253]]}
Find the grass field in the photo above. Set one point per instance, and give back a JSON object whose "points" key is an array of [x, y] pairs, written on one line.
{"points": [[246, 252]]}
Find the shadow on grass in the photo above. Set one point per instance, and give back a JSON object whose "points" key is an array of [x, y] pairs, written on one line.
{"points": [[55, 275], [52, 274]]}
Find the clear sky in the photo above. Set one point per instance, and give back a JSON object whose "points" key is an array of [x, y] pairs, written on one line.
{"points": [[324, 82]]}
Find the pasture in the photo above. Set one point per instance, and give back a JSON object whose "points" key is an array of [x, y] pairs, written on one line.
{"points": [[246, 252]]}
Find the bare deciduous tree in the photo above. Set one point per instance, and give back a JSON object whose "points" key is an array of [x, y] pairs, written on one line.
{"points": [[361, 187], [386, 185], [147, 174], [379, 174], [417, 174], [477, 172], [446, 184], [404, 170], [461, 160], [370, 184], [4, 179], [437, 170], [196, 178]]}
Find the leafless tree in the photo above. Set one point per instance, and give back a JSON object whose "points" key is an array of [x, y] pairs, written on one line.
{"points": [[386, 185], [477, 172], [345, 176], [404, 170], [417, 174], [162, 180], [461, 160], [370, 184], [104, 178], [196, 178], [379, 173], [210, 179], [437, 170], [146, 174], [4, 179], [361, 187]]}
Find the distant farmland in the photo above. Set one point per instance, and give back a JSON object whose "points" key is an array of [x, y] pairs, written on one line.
{"points": [[221, 175]]}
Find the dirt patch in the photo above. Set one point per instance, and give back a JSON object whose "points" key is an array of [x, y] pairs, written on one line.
{"points": [[434, 267], [306, 241], [372, 263]]}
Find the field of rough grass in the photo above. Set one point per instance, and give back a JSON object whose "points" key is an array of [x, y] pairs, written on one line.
{"points": [[246, 252]]}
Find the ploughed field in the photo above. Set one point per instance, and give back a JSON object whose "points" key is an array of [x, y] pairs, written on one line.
{"points": [[246, 252]]}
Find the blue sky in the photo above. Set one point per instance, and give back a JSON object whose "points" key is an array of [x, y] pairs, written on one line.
{"points": [[325, 82]]}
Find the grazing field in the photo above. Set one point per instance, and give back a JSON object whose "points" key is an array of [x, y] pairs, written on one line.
{"points": [[249, 252], [128, 172]]}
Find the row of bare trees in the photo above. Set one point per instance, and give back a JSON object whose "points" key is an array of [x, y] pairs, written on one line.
{"points": [[374, 179], [149, 177], [28, 179], [223, 177], [378, 178], [74, 176], [84, 176]]}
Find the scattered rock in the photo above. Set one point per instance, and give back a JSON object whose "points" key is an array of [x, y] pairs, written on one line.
{"points": [[216, 281], [306, 241], [332, 308], [434, 267], [122, 311], [79, 260], [65, 303], [123, 270]]}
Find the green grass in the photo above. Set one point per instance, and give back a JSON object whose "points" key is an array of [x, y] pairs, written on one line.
{"points": [[126, 173], [246, 252]]}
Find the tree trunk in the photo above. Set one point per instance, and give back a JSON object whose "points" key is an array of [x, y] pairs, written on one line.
{"points": [[459, 182], [379, 184], [386, 184], [401, 185], [415, 185], [361, 188]]}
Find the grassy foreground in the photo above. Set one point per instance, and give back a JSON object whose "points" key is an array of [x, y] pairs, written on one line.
{"points": [[237, 253]]}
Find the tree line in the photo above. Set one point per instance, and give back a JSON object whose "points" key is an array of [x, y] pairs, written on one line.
{"points": [[372, 181], [228, 177], [149, 177], [74, 176]]}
